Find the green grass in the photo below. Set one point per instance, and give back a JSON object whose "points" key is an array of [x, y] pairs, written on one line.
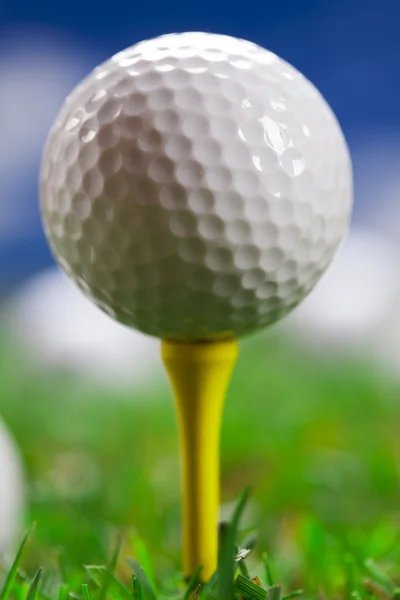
{"points": [[317, 440]]}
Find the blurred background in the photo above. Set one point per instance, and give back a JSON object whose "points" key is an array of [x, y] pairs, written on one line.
{"points": [[87, 402]]}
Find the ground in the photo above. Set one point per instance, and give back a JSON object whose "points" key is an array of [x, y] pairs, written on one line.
{"points": [[315, 438]]}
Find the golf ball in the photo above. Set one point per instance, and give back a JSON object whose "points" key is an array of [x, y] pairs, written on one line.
{"points": [[195, 186]]}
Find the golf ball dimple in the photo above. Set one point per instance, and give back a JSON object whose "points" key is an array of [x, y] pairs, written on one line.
{"points": [[195, 186]]}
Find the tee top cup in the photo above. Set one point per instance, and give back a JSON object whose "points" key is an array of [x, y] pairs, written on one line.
{"points": [[195, 187]]}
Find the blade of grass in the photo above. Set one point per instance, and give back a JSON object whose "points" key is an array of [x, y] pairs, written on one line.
{"points": [[98, 574], [142, 555], [193, 583], [379, 575], [248, 589], [268, 571], [208, 589], [86, 591], [33, 587], [243, 568], [110, 569], [292, 594], [5, 592], [227, 553], [274, 592], [136, 588], [39, 593], [147, 590]]}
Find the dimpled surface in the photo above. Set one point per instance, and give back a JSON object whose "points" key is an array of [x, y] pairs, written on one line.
{"points": [[195, 186]]}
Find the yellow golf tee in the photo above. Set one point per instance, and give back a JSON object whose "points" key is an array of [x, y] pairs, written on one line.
{"points": [[200, 374]]}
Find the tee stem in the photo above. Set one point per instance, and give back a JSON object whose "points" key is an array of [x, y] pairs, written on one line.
{"points": [[199, 374]]}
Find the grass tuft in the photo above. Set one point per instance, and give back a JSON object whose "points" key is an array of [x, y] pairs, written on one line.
{"points": [[31, 595], [12, 573], [320, 448], [227, 553], [140, 576], [194, 584]]}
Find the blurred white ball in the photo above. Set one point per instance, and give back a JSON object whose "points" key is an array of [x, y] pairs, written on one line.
{"points": [[59, 328], [12, 493], [349, 306]]}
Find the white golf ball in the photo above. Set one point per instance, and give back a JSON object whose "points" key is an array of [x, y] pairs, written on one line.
{"points": [[195, 186]]}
